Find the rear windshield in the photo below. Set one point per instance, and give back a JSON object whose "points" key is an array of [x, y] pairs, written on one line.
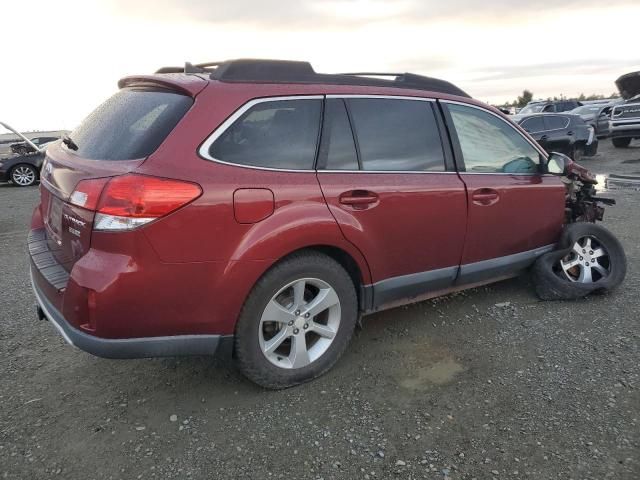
{"points": [[129, 125]]}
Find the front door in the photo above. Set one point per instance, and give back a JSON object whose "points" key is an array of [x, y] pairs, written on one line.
{"points": [[515, 212], [560, 137], [394, 196]]}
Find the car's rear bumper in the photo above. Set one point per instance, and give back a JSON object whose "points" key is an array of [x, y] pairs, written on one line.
{"points": [[178, 345]]}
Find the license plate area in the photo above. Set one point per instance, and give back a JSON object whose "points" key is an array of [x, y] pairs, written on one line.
{"points": [[53, 219]]}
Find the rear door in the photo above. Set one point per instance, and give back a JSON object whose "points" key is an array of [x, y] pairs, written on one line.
{"points": [[113, 140], [391, 186], [515, 212], [536, 128], [560, 137]]}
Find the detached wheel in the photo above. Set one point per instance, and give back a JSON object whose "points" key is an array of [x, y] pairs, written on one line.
{"points": [[296, 322], [621, 142], [24, 175], [589, 258]]}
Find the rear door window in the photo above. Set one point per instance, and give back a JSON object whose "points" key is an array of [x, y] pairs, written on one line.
{"points": [[130, 125], [556, 122], [273, 134], [396, 135]]}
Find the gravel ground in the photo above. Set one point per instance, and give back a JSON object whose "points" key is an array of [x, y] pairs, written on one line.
{"points": [[488, 383]]}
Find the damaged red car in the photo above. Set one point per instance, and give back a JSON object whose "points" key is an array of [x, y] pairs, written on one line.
{"points": [[257, 208]]}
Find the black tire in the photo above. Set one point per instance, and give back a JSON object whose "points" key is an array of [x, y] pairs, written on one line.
{"points": [[577, 153], [552, 285], [621, 142], [305, 264], [19, 181]]}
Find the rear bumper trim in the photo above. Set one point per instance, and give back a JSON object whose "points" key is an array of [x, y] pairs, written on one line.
{"points": [[146, 347]]}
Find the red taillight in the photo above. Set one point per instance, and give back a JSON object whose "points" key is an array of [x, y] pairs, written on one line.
{"points": [[129, 201], [141, 196], [87, 193]]}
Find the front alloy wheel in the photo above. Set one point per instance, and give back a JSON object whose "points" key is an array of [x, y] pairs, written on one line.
{"points": [[587, 262], [23, 175]]}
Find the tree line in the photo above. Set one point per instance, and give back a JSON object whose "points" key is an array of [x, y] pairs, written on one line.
{"points": [[527, 96]]}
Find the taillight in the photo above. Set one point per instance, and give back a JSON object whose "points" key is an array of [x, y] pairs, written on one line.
{"points": [[131, 200], [87, 193]]}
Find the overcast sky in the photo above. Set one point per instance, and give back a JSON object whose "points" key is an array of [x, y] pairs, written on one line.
{"points": [[63, 57]]}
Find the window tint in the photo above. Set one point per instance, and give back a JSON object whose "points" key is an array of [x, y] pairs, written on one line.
{"points": [[400, 135], [490, 145], [340, 147], [129, 125], [555, 122], [533, 124], [275, 134]]}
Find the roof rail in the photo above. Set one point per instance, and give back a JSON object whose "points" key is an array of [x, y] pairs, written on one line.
{"points": [[288, 71]]}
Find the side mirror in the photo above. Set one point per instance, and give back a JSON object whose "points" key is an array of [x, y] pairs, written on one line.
{"points": [[558, 163]]}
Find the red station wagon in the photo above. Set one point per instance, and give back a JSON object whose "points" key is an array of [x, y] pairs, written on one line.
{"points": [[257, 208]]}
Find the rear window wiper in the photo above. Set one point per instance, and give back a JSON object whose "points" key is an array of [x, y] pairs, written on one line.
{"points": [[66, 139]]}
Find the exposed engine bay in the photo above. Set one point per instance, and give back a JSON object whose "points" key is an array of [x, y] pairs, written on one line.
{"points": [[582, 204]]}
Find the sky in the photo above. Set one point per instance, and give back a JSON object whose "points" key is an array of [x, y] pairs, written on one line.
{"points": [[64, 57]]}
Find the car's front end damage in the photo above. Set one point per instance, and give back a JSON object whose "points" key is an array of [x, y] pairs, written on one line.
{"points": [[582, 204], [587, 257]]}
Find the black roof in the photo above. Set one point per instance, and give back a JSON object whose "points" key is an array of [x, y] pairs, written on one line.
{"points": [[287, 71]]}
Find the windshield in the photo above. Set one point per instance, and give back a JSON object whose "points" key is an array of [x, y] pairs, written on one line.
{"points": [[532, 109], [130, 125]]}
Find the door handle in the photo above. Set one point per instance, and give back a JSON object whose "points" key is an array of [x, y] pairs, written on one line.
{"points": [[543, 138], [569, 133], [485, 196], [358, 198]]}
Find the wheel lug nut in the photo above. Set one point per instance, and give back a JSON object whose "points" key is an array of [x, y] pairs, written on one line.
{"points": [[581, 258], [590, 252], [306, 325], [296, 331], [291, 323], [297, 312], [306, 315], [584, 251]]}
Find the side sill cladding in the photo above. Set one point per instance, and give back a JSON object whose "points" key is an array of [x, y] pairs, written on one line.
{"points": [[403, 289]]}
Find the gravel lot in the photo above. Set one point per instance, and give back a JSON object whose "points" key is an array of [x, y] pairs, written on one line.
{"points": [[489, 383]]}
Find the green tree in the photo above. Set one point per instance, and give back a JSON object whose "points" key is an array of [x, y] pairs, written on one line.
{"points": [[525, 98]]}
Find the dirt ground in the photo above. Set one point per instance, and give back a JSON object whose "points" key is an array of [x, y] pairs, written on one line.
{"points": [[489, 383]]}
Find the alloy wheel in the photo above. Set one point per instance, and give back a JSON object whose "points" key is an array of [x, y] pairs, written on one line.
{"points": [[23, 176], [299, 323], [587, 262]]}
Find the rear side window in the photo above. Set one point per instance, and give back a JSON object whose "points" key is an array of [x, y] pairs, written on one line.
{"points": [[274, 134], [396, 135], [554, 122], [491, 145], [131, 124]]}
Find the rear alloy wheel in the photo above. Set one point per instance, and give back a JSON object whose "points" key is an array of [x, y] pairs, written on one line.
{"points": [[621, 142], [24, 175], [297, 321]]}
